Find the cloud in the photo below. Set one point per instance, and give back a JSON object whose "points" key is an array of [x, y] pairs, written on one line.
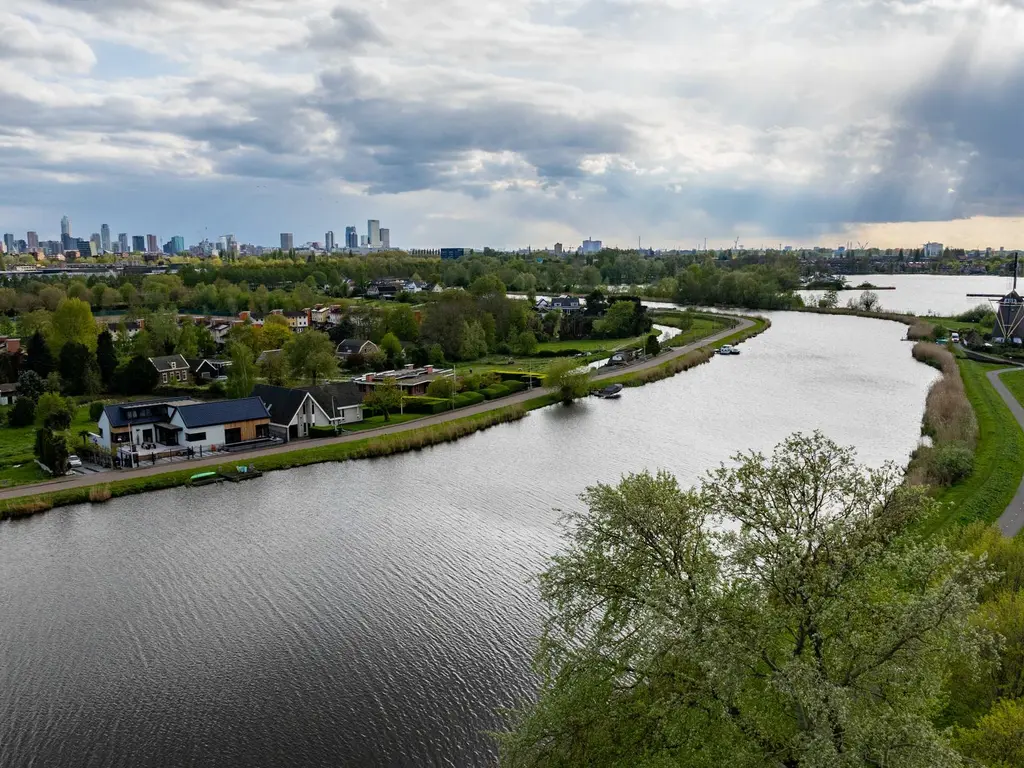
{"points": [[536, 118]]}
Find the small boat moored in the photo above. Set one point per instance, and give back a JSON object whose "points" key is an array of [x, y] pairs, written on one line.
{"points": [[728, 349], [610, 392]]}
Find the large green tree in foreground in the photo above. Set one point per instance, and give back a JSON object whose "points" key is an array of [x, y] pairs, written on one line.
{"points": [[777, 615]]}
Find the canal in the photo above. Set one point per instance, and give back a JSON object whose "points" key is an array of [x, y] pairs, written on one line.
{"points": [[378, 612]]}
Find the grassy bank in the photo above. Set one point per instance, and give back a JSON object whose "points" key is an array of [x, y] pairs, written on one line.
{"points": [[686, 362], [998, 457], [372, 447]]}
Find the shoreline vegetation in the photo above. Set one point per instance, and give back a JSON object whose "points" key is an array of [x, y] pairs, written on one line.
{"points": [[412, 439]]}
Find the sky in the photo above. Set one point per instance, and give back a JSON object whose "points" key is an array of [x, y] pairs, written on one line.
{"points": [[519, 122]]}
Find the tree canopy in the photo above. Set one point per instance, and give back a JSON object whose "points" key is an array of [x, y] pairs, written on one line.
{"points": [[779, 614]]}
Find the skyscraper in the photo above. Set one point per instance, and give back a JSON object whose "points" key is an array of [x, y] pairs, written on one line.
{"points": [[385, 238], [175, 245], [33, 241], [65, 226], [9, 243], [373, 233], [351, 237], [329, 241], [97, 243], [105, 238], [122, 240], [152, 245], [138, 244], [67, 242], [287, 241]]}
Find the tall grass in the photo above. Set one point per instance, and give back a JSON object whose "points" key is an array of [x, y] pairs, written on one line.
{"points": [[922, 330], [949, 421]]}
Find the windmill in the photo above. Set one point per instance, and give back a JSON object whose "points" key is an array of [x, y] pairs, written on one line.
{"points": [[1009, 311]]}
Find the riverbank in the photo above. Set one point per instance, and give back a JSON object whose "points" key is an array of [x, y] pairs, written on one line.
{"points": [[31, 499]]}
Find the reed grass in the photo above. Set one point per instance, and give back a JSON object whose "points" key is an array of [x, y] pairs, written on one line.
{"points": [[99, 494], [922, 331]]}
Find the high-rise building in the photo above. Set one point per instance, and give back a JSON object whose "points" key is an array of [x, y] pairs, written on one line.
{"points": [[84, 247], [385, 238], [65, 227], [67, 242], [9, 244], [138, 244], [287, 241], [362, 241], [373, 233], [105, 238], [178, 244], [122, 240], [351, 237], [591, 246], [97, 243], [33, 241], [329, 241], [232, 245], [152, 244]]}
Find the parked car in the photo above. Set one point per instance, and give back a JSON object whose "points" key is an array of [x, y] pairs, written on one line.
{"points": [[954, 337], [74, 461]]}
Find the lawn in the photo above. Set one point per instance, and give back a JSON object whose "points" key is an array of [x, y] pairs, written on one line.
{"points": [[17, 447], [375, 422], [998, 461], [591, 345]]}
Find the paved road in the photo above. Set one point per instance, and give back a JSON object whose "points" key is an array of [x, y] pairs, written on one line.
{"points": [[1012, 520], [79, 481]]}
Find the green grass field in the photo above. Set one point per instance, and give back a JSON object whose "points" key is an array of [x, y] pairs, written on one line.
{"points": [[375, 422], [17, 447], [998, 461]]}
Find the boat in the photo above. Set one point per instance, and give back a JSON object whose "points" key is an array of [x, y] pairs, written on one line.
{"points": [[610, 392], [728, 349], [205, 478]]}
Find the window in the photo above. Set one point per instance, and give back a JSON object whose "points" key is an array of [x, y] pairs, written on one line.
{"points": [[165, 378], [173, 365], [101, 431], [195, 437]]}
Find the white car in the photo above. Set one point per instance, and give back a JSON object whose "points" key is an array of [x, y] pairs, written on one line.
{"points": [[74, 461], [955, 338], [728, 349]]}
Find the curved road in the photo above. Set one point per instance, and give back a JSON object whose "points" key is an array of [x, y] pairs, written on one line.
{"points": [[1012, 520], [80, 481]]}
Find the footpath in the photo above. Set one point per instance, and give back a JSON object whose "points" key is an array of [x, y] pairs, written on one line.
{"points": [[82, 481], [1012, 520]]}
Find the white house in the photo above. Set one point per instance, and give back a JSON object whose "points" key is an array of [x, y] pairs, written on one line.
{"points": [[295, 410], [181, 423]]}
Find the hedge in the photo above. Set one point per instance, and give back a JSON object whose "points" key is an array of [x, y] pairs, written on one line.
{"points": [[515, 386], [559, 353], [426, 405], [316, 431], [495, 391], [466, 399], [510, 376]]}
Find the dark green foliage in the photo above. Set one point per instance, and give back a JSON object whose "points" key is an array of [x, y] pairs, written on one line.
{"points": [[136, 377], [653, 346], [52, 450], [54, 412], [495, 391], [30, 386], [96, 409], [22, 413], [75, 362], [39, 358], [426, 405], [466, 399], [951, 463], [316, 431], [106, 357]]}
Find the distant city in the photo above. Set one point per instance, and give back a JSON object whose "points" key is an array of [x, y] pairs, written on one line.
{"points": [[70, 247]]}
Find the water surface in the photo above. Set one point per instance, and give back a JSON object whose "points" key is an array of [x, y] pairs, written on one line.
{"points": [[378, 613]]}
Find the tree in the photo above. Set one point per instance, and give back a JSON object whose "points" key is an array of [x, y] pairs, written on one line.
{"points": [[435, 355], [75, 363], [22, 413], [188, 340], [392, 347], [386, 397], [311, 355], [474, 341], [30, 386], [569, 378], [73, 321], [52, 450], [781, 614], [997, 741], [39, 357], [525, 343], [242, 373], [617, 322], [54, 412], [106, 357], [830, 300], [652, 346], [136, 377], [442, 388], [276, 332], [867, 302], [401, 321], [205, 342], [274, 368]]}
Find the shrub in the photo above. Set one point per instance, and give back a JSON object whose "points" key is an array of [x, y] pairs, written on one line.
{"points": [[316, 431], [514, 386], [982, 313], [217, 390], [427, 405], [466, 399], [951, 463], [441, 388], [96, 409], [922, 331], [22, 413], [495, 391], [99, 493]]}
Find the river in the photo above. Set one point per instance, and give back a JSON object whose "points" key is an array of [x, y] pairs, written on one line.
{"points": [[941, 295], [378, 613]]}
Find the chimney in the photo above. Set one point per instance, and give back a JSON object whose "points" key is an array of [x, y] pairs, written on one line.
{"points": [[430, 369]]}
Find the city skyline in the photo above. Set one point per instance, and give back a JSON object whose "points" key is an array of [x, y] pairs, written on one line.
{"points": [[878, 121]]}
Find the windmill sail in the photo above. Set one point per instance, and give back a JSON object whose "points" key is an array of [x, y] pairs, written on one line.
{"points": [[1010, 314]]}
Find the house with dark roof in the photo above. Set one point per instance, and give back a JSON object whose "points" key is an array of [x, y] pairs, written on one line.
{"points": [[183, 423], [206, 369], [568, 304], [8, 393], [172, 368], [349, 347], [295, 410]]}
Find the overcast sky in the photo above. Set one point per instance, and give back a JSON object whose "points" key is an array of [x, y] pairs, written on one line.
{"points": [[476, 122]]}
